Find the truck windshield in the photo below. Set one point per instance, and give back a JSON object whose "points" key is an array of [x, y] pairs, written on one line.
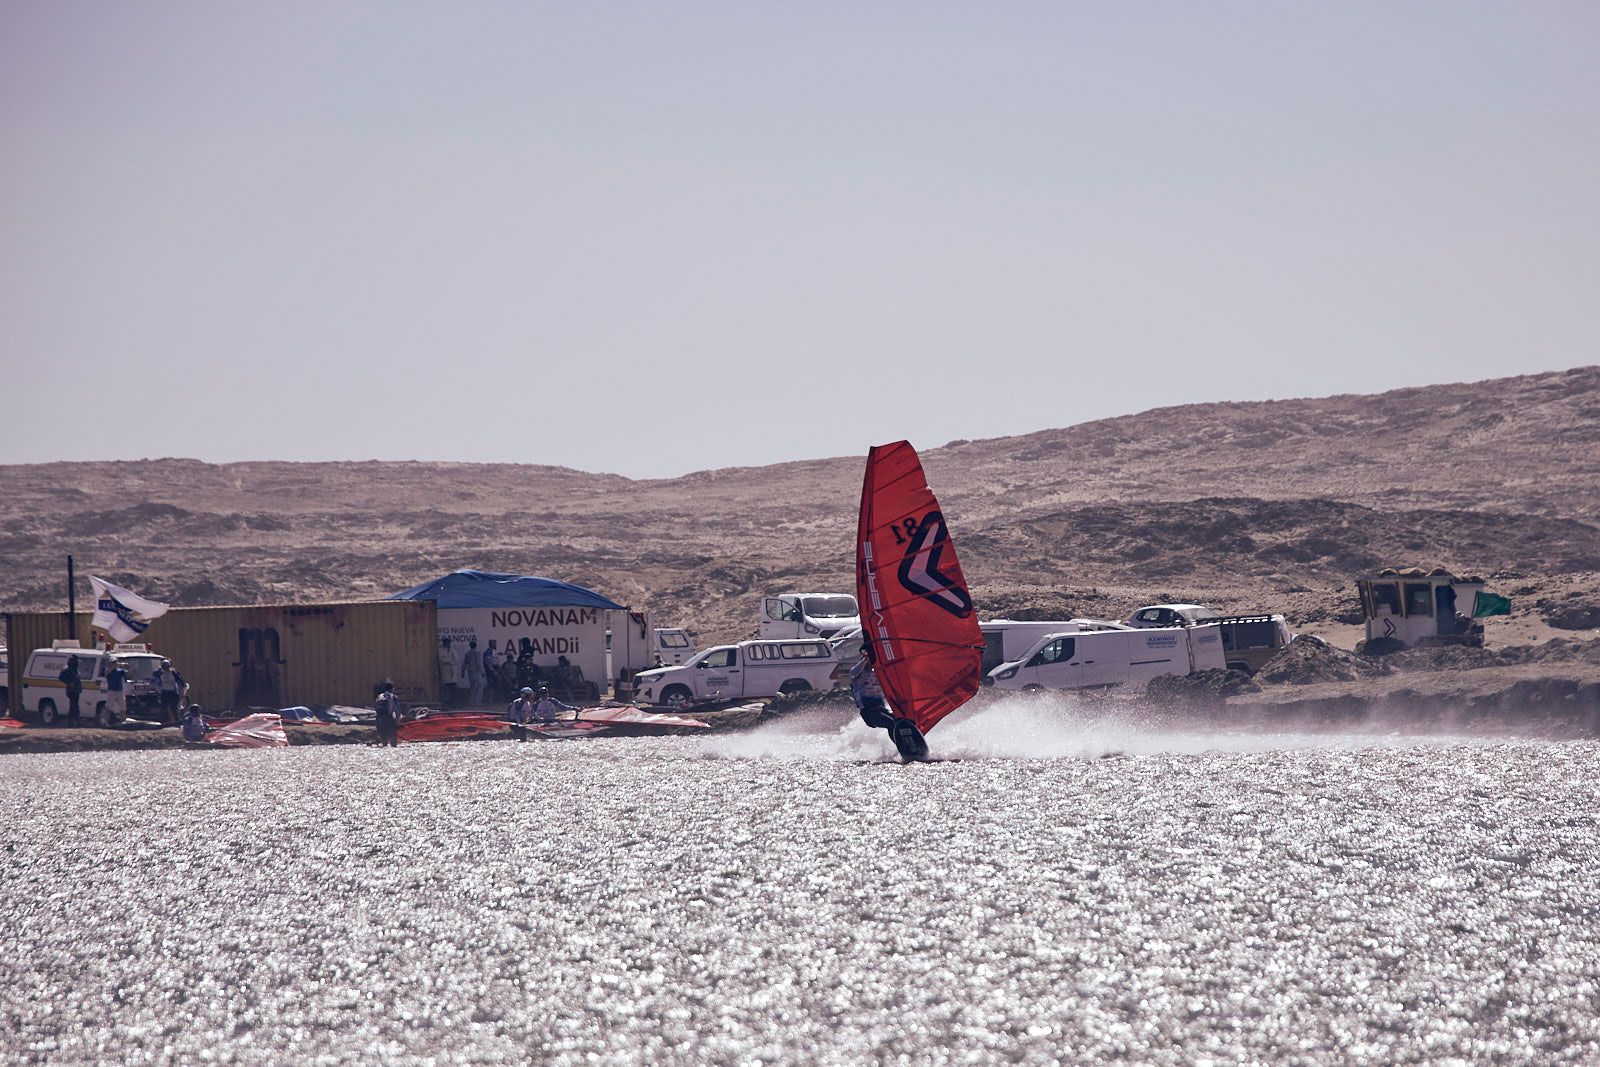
{"points": [[139, 668], [830, 607]]}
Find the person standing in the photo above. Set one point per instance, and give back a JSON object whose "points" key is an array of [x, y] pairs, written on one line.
{"points": [[70, 678], [491, 681], [116, 691], [508, 673], [472, 668], [527, 670], [388, 708], [447, 673], [170, 684]]}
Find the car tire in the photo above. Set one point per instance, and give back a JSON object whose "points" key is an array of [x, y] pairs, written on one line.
{"points": [[48, 715], [677, 696], [794, 685], [1242, 668], [102, 716]]}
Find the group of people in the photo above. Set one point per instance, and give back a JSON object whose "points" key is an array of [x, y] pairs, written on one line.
{"points": [[488, 674], [165, 680]]}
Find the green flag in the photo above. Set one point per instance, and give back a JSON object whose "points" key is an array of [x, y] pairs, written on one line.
{"points": [[1491, 604]]}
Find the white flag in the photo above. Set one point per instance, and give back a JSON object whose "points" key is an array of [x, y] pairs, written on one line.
{"points": [[122, 614]]}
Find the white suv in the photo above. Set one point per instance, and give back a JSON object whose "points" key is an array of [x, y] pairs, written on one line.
{"points": [[1171, 615]]}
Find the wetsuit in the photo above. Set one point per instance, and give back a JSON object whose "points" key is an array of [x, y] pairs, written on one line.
{"points": [[868, 695], [545, 708], [519, 714]]}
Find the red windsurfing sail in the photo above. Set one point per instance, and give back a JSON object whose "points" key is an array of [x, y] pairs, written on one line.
{"points": [[252, 731], [915, 608], [451, 727]]}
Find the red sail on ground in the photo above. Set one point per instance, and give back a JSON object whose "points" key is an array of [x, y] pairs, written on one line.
{"points": [[915, 607]]}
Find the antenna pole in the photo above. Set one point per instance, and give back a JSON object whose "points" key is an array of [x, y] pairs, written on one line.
{"points": [[72, 603]]}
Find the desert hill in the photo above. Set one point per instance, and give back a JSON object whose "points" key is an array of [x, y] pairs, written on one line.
{"points": [[1244, 505]]}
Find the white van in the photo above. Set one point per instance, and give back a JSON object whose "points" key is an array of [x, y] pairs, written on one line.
{"points": [[1005, 640], [674, 646], [1110, 657], [45, 696], [748, 669], [807, 615]]}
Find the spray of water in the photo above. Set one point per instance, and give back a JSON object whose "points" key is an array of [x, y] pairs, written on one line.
{"points": [[1050, 726]]}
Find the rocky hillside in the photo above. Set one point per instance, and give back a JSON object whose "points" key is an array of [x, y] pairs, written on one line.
{"points": [[1255, 505]]}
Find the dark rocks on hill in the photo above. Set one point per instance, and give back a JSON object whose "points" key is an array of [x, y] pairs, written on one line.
{"points": [[1574, 617]]}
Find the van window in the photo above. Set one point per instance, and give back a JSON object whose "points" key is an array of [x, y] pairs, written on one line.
{"points": [[993, 650], [807, 650], [671, 640], [1419, 598], [1385, 595], [1058, 651], [721, 658], [830, 607], [1239, 636]]}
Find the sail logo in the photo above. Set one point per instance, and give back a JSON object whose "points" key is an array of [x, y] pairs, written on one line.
{"points": [[881, 626], [919, 571]]}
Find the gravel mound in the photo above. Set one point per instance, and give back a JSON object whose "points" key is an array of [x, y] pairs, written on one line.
{"points": [[1458, 658], [1202, 688], [1308, 660]]}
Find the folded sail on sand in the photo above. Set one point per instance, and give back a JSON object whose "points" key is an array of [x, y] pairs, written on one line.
{"points": [[915, 607]]}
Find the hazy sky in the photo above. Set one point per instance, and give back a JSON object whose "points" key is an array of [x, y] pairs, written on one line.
{"points": [[661, 237]]}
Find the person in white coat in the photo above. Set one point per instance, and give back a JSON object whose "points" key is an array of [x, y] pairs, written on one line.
{"points": [[472, 670], [447, 672]]}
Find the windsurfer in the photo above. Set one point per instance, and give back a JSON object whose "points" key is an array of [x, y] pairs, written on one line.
{"points": [[868, 695]]}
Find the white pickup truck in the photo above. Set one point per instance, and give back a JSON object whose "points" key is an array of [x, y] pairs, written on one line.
{"points": [[748, 669]]}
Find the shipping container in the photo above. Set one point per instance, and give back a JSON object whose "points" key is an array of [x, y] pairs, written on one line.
{"points": [[278, 655]]}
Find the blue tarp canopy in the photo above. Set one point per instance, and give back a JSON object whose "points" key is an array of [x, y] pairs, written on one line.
{"points": [[483, 589]]}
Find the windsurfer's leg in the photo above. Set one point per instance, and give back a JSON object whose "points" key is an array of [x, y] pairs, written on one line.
{"points": [[875, 713]]}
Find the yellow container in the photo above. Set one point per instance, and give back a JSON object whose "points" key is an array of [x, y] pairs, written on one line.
{"points": [[273, 656]]}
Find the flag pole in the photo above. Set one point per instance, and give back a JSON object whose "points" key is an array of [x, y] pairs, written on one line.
{"points": [[72, 603]]}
